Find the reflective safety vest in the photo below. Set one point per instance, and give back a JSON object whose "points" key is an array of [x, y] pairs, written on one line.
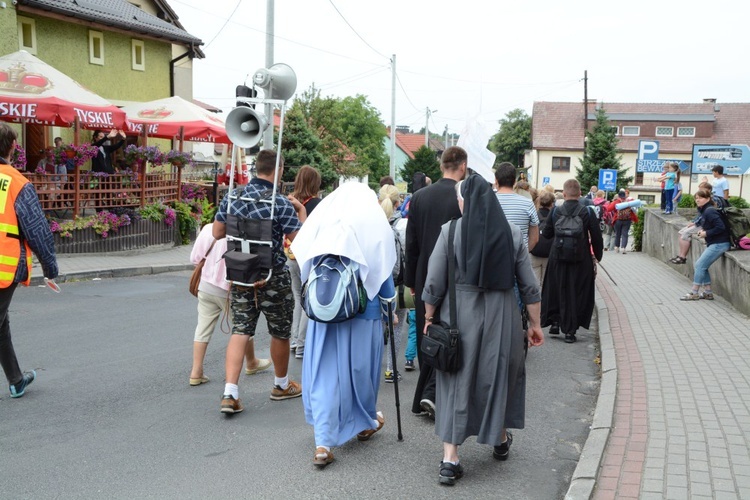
{"points": [[11, 183]]}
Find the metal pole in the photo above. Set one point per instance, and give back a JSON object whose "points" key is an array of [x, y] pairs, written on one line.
{"points": [[426, 128], [585, 109], [392, 164], [268, 108]]}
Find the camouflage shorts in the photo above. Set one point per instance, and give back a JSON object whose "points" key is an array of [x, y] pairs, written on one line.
{"points": [[275, 301]]}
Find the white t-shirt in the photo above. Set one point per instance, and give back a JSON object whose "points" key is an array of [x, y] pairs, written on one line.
{"points": [[719, 186]]}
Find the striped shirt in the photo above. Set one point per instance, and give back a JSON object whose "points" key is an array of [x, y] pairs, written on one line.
{"points": [[520, 211]]}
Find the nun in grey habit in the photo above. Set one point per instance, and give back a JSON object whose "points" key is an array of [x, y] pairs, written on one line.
{"points": [[487, 395]]}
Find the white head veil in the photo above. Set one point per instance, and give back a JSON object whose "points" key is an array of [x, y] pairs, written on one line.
{"points": [[349, 222]]}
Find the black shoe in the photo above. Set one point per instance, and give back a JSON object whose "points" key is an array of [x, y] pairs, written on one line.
{"points": [[19, 389], [554, 329], [502, 452], [570, 338], [409, 365], [429, 407], [450, 473]]}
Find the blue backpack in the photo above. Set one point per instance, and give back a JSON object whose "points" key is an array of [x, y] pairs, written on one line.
{"points": [[333, 291]]}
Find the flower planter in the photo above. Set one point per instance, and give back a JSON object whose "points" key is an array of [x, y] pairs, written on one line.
{"points": [[137, 235]]}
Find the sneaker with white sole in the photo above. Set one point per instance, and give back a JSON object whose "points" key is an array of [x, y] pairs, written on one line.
{"points": [[409, 365], [429, 407], [19, 389], [230, 406], [293, 390]]}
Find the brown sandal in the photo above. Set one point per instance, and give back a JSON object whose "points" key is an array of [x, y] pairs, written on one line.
{"points": [[367, 434], [322, 457]]}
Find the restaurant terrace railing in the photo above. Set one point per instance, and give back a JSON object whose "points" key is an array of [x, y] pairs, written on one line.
{"points": [[74, 193]]}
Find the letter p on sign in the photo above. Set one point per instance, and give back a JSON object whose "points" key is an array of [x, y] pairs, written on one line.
{"points": [[648, 150]]}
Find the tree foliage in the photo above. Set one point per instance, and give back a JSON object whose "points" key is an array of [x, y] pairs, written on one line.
{"points": [[601, 152], [424, 161], [302, 146], [513, 138], [348, 127]]}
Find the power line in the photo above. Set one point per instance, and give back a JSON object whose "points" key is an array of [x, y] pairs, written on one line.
{"points": [[354, 78], [278, 37], [225, 23], [405, 94], [355, 31]]}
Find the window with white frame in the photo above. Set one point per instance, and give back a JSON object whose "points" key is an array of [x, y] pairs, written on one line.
{"points": [[616, 130], [648, 199], [561, 163], [685, 131], [631, 130], [664, 131], [96, 47], [27, 34], [139, 55]]}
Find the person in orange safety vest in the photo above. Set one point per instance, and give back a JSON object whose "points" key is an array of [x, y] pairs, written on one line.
{"points": [[23, 229]]}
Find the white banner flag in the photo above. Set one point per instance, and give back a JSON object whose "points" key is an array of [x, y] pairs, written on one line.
{"points": [[474, 139]]}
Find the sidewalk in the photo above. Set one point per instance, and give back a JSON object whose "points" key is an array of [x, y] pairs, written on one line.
{"points": [[88, 266], [673, 415]]}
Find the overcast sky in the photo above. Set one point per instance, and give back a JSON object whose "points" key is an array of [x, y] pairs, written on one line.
{"points": [[477, 58]]}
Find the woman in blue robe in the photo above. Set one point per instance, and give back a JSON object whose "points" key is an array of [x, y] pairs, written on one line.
{"points": [[341, 367]]}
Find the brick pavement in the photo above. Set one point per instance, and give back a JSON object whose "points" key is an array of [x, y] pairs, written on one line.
{"points": [[682, 410]]}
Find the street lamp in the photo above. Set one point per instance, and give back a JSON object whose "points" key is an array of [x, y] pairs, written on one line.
{"points": [[429, 113]]}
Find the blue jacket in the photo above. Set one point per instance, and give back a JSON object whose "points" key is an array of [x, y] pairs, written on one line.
{"points": [[713, 224]]}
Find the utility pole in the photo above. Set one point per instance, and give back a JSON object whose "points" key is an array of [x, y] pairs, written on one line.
{"points": [[392, 169], [585, 109], [268, 108], [428, 113]]}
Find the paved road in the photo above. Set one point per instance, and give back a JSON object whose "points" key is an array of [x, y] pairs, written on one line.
{"points": [[111, 414]]}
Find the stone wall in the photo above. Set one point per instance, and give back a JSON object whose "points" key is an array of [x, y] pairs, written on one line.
{"points": [[730, 275]]}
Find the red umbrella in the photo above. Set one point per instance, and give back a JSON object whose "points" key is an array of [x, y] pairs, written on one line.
{"points": [[32, 91], [175, 117]]}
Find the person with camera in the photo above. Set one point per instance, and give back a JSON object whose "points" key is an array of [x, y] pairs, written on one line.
{"points": [[487, 393], [102, 162]]}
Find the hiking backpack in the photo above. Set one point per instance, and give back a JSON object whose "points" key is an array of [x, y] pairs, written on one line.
{"points": [[625, 214], [610, 217], [333, 291], [544, 245], [736, 223], [599, 210], [569, 231]]}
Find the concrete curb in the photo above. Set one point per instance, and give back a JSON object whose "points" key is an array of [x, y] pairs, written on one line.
{"points": [[584, 477], [124, 272]]}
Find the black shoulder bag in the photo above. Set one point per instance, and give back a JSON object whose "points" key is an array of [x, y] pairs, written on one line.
{"points": [[441, 345]]}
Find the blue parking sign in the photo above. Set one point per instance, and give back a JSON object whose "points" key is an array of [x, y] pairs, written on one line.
{"points": [[607, 179]]}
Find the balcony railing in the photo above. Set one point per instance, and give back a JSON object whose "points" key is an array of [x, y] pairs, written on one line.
{"points": [[76, 192]]}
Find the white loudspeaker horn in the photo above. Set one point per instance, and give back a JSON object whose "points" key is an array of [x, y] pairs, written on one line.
{"points": [[245, 127], [279, 81]]}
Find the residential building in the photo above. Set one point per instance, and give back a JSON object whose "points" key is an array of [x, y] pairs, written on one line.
{"points": [[557, 138], [123, 51], [407, 144]]}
